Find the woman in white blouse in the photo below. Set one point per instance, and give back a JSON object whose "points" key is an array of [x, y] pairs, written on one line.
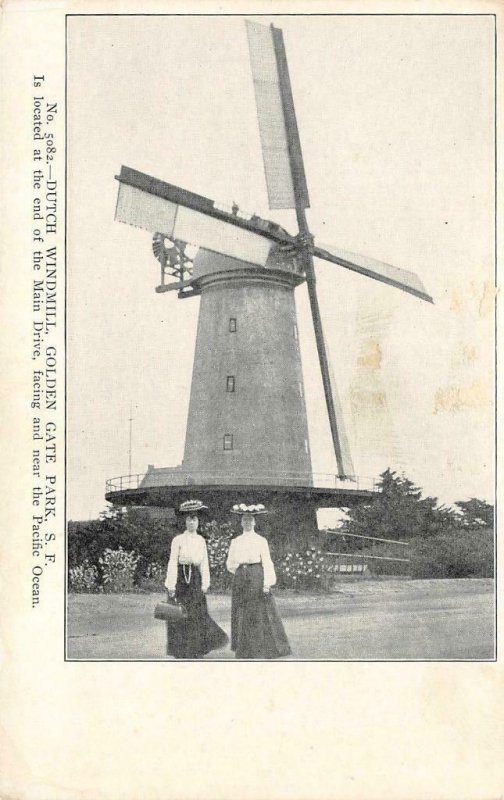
{"points": [[188, 580], [256, 628]]}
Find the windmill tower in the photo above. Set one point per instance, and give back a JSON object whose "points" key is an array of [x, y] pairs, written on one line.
{"points": [[247, 434], [247, 417]]}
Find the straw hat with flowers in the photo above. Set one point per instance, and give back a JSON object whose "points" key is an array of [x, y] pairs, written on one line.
{"points": [[192, 507], [242, 508]]}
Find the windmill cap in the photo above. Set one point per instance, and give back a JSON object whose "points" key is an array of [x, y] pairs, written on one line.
{"points": [[192, 507], [241, 508]]}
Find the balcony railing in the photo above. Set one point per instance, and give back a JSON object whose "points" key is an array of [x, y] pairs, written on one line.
{"points": [[172, 477]]}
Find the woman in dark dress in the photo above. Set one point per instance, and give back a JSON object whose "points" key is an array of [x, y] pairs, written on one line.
{"points": [[188, 580], [256, 628]]}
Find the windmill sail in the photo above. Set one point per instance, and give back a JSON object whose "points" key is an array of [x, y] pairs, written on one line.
{"points": [[281, 150], [159, 207], [379, 270], [286, 182], [340, 442], [347, 467]]}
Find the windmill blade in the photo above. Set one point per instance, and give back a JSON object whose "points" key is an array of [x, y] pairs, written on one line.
{"points": [[340, 442], [281, 148], [378, 270], [159, 207], [347, 469], [286, 183]]}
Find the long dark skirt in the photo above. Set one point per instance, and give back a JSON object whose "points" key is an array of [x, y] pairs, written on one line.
{"points": [[198, 634], [256, 628]]}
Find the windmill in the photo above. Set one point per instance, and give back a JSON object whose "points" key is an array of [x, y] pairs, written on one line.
{"points": [[247, 430]]}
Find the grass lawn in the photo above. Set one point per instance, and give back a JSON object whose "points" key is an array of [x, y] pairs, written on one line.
{"points": [[363, 620]]}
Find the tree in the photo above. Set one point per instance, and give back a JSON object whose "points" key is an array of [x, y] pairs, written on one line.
{"points": [[398, 511], [476, 513]]}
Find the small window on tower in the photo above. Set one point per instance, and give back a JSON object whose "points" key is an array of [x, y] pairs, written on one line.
{"points": [[228, 441], [232, 325], [230, 383], [295, 332]]}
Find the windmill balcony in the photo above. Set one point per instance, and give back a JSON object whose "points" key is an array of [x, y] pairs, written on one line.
{"points": [[176, 477]]}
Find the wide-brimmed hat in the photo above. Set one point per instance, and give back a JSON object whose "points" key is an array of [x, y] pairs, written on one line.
{"points": [[242, 508], [192, 507]]}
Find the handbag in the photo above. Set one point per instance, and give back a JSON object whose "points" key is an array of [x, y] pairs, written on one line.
{"points": [[170, 610]]}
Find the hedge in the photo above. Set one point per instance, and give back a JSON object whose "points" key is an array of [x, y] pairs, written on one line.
{"points": [[455, 553], [458, 553]]}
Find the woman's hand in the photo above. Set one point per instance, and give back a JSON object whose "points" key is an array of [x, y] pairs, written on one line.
{"points": [[171, 595], [266, 590]]}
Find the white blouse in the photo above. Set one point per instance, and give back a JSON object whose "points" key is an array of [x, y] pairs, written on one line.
{"points": [[250, 548], [188, 548]]}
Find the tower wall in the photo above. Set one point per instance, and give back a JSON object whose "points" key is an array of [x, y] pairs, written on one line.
{"points": [[247, 416]]}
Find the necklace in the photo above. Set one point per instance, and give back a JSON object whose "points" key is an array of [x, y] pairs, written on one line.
{"points": [[187, 576]]}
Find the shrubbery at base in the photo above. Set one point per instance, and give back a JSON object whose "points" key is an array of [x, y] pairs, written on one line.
{"points": [[96, 565], [458, 553]]}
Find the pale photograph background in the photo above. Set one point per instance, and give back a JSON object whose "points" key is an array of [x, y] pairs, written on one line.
{"points": [[300, 731], [396, 122]]}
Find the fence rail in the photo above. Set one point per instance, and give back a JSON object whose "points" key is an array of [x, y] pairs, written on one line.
{"points": [[335, 532], [345, 562], [368, 555]]}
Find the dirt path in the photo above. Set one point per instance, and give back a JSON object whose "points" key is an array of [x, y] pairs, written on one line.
{"points": [[370, 620]]}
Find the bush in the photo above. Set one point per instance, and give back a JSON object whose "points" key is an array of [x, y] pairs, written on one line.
{"points": [[154, 578], [156, 572], [133, 530], [118, 570], [460, 553], [310, 569], [218, 540], [84, 578]]}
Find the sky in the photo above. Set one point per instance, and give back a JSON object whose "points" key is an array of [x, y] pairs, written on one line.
{"points": [[396, 123]]}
